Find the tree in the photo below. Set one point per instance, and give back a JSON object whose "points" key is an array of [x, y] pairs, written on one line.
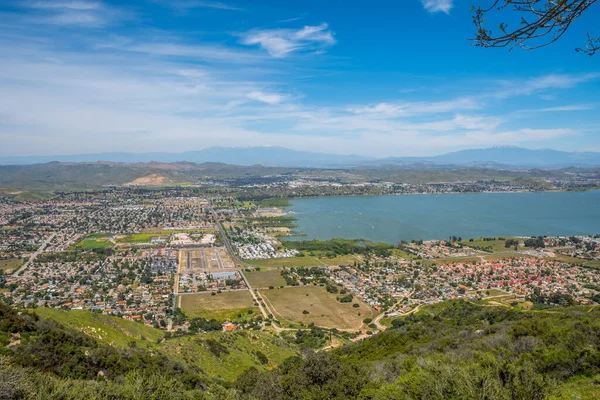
{"points": [[540, 23]]}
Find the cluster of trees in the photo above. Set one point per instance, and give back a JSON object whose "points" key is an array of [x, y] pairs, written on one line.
{"points": [[205, 325], [560, 299], [536, 242], [312, 338]]}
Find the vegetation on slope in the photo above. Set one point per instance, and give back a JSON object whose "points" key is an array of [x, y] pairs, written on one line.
{"points": [[453, 350], [456, 350]]}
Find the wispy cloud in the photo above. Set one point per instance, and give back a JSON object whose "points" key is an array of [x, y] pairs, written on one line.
{"points": [[434, 6], [417, 108], [269, 98], [70, 5], [211, 52], [191, 4], [542, 83], [282, 42], [574, 107], [81, 13], [140, 88]]}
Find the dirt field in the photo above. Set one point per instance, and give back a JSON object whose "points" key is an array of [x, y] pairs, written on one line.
{"points": [[202, 259], [324, 309], [265, 278], [222, 306]]}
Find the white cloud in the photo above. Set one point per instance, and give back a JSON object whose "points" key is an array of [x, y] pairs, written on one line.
{"points": [[91, 14], [417, 108], [269, 98], [543, 83], [71, 5], [145, 92], [574, 107], [434, 6], [191, 4], [282, 42]]}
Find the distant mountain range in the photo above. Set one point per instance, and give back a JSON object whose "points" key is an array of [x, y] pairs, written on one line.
{"points": [[493, 157]]}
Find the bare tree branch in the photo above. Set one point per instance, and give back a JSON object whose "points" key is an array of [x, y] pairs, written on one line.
{"points": [[542, 22]]}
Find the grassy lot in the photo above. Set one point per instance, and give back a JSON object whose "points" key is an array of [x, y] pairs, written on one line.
{"points": [[323, 307], [287, 262], [488, 292], [341, 260], [403, 254], [265, 278], [495, 245], [223, 306], [578, 261], [111, 330], [11, 264], [239, 353], [137, 238]]}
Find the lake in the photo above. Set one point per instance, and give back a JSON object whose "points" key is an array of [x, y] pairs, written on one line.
{"points": [[394, 218]]}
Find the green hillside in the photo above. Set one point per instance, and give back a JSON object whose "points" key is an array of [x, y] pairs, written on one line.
{"points": [[227, 355], [452, 350], [112, 331], [220, 354]]}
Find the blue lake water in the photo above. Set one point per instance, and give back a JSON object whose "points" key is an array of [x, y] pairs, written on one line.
{"points": [[394, 218]]}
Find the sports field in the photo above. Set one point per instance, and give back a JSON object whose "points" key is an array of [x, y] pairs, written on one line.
{"points": [[323, 308], [265, 278], [222, 306], [93, 243]]}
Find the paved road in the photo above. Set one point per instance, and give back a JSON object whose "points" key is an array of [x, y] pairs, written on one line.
{"points": [[225, 239], [34, 255], [264, 310], [380, 316]]}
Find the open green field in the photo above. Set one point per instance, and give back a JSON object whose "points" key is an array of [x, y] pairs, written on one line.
{"points": [[239, 352], [287, 262], [324, 310], [11, 264], [578, 261], [493, 245], [223, 306], [341, 260], [488, 292], [403, 254], [265, 278], [111, 330], [137, 238]]}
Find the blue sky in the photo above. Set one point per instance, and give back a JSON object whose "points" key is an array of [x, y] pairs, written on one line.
{"points": [[379, 78]]}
